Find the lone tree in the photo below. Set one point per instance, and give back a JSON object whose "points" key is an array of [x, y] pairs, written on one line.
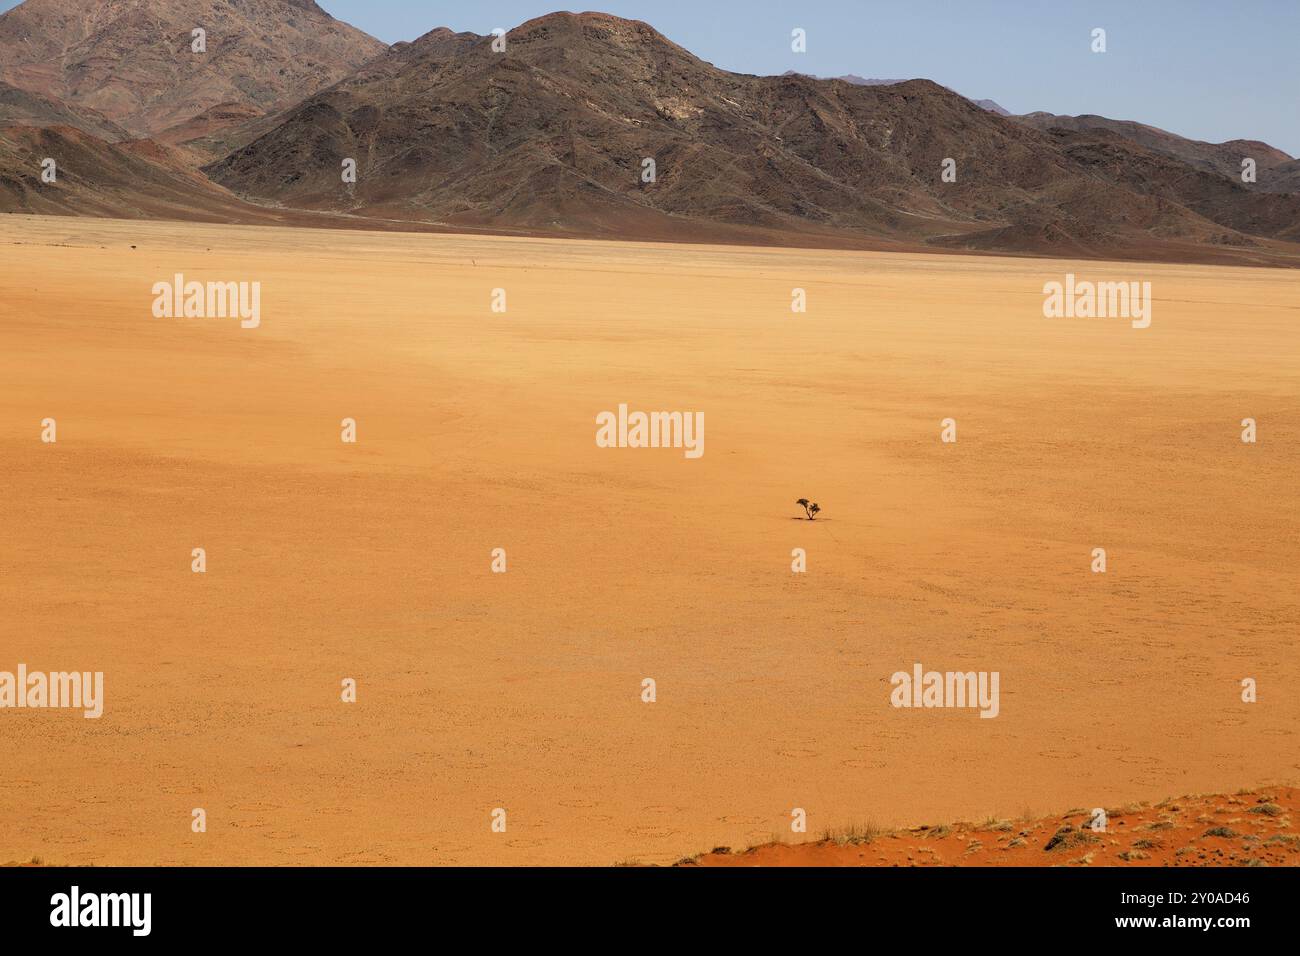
{"points": [[810, 508]]}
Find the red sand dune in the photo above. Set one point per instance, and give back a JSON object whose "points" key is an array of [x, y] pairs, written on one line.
{"points": [[1250, 828]]}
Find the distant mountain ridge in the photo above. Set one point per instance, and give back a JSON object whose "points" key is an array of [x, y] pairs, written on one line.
{"points": [[856, 80]]}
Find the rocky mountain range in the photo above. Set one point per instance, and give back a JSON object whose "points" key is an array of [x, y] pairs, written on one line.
{"points": [[557, 134]]}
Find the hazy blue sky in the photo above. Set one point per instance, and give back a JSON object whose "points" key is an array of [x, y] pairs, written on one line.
{"points": [[1207, 69]]}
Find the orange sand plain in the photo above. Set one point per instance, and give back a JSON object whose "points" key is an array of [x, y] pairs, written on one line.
{"points": [[523, 690]]}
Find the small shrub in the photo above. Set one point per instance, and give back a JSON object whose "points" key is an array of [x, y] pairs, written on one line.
{"points": [[810, 508], [1067, 838], [1228, 833]]}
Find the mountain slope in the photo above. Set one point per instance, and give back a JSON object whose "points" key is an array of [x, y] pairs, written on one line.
{"points": [[1219, 199], [132, 61], [1222, 158], [22, 107], [138, 179]]}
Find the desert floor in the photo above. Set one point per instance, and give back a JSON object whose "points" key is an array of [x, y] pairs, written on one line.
{"points": [[522, 690]]}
